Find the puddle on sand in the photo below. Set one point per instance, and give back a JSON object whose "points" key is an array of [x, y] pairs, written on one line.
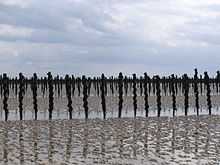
{"points": [[180, 140]]}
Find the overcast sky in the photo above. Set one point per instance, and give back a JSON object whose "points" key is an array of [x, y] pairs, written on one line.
{"points": [[94, 36]]}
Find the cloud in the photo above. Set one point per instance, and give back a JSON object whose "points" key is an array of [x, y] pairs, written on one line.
{"points": [[14, 32], [109, 35], [20, 3]]}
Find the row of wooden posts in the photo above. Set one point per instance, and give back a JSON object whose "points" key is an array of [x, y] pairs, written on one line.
{"points": [[121, 83]]}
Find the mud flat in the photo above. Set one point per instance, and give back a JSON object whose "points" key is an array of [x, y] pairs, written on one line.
{"points": [[164, 140], [60, 110]]}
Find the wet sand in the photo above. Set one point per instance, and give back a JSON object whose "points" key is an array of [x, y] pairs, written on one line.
{"points": [[95, 110], [125, 141], [179, 140]]}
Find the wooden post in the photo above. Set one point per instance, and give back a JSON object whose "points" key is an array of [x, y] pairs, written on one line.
{"points": [[207, 84], [21, 95], [68, 95], [6, 95], [196, 91], [103, 81], [120, 91], [134, 94], [186, 92], [51, 99], [146, 79], [173, 94], [158, 95], [85, 96], [34, 91]]}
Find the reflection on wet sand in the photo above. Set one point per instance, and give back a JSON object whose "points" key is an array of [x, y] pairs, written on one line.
{"points": [[21, 143], [146, 139], [5, 146], [119, 140], [134, 143], [35, 141], [102, 142], [179, 140], [158, 136], [85, 141], [68, 145], [51, 145]]}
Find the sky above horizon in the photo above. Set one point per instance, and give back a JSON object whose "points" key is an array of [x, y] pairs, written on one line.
{"points": [[111, 36]]}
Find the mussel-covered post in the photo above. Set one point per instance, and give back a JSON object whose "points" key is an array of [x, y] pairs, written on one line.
{"points": [[89, 85], [85, 96], [73, 85], [111, 86], [34, 91], [6, 95], [141, 85], [217, 81], [158, 95], [186, 92], [126, 85], [79, 86], [201, 85], [146, 79], [134, 82], [120, 91], [21, 94], [173, 93], [68, 94], [103, 95], [196, 91], [207, 84], [1, 86], [51, 99], [58, 85], [97, 86]]}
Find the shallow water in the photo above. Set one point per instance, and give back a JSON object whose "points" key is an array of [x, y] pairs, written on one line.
{"points": [[180, 140]]}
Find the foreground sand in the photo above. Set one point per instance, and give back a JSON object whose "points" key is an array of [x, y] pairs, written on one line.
{"points": [[181, 140]]}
